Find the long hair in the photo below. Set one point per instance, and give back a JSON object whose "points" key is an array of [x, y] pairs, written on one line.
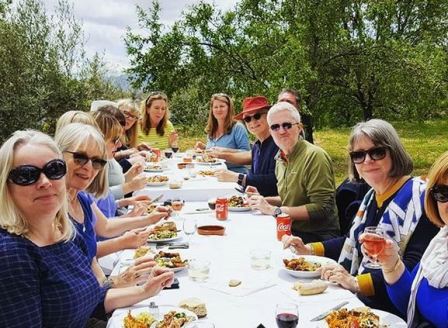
{"points": [[212, 123], [146, 120], [130, 135], [10, 217], [437, 174], [74, 116]]}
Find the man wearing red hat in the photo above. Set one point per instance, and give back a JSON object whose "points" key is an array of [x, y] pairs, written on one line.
{"points": [[262, 156]]}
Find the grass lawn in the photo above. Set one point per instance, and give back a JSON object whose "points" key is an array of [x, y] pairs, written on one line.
{"points": [[425, 141]]}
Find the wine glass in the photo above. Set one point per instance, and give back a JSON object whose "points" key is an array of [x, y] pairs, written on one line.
{"points": [[175, 146], [189, 227], [287, 315], [375, 243]]}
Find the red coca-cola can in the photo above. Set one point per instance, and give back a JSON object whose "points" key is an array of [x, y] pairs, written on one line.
{"points": [[283, 225], [222, 208]]}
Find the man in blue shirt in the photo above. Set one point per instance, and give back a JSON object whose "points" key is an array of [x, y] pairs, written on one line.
{"points": [[262, 172]]}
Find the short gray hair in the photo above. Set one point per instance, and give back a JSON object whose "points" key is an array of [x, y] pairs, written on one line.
{"points": [[383, 134], [71, 137], [10, 217], [284, 106]]}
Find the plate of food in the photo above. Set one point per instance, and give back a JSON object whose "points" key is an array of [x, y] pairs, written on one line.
{"points": [[238, 204], [171, 260], [157, 180], [208, 160], [153, 167], [362, 317], [164, 232], [305, 266], [169, 316], [206, 173]]}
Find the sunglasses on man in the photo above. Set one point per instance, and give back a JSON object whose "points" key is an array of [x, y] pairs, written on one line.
{"points": [[82, 159], [284, 126], [439, 193], [25, 175], [376, 154], [256, 117]]}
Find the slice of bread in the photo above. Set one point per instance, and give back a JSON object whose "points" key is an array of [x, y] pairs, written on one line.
{"points": [[310, 288], [195, 305]]}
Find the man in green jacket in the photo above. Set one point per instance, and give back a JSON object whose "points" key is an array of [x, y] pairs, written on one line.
{"points": [[305, 180]]}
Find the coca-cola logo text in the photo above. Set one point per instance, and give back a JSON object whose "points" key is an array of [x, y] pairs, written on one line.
{"points": [[283, 227]]}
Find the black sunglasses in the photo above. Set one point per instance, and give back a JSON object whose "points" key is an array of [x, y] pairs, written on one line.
{"points": [[439, 193], [256, 117], [284, 125], [82, 159], [25, 175], [376, 154]]}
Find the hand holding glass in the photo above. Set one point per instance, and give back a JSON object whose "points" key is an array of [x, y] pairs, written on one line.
{"points": [[375, 242]]}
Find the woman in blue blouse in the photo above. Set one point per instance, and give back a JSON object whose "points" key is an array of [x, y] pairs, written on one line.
{"points": [[222, 131], [422, 293], [45, 277]]}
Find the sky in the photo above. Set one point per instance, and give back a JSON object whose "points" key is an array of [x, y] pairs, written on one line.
{"points": [[104, 23]]}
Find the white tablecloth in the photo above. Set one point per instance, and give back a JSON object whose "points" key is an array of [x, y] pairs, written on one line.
{"points": [[198, 188], [230, 260]]}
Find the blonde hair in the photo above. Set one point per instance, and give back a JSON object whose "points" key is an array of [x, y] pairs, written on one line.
{"points": [[109, 126], [71, 137], [10, 217], [437, 173], [212, 123], [146, 119], [130, 135], [74, 116]]}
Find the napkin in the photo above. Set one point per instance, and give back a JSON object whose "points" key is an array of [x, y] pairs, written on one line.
{"points": [[246, 287]]}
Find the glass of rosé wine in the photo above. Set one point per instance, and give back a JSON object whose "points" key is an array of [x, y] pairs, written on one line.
{"points": [[374, 242]]}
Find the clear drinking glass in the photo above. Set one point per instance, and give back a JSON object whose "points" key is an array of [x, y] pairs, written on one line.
{"points": [[260, 259], [287, 315], [375, 242], [189, 227], [198, 270]]}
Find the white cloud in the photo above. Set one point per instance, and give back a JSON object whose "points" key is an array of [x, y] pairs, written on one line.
{"points": [[105, 22]]}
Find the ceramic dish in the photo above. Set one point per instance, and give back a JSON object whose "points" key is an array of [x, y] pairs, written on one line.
{"points": [[308, 274], [216, 230]]}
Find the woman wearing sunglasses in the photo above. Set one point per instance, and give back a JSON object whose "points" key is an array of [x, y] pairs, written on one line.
{"points": [[395, 204], [45, 277], [422, 293], [223, 132], [305, 179], [156, 130], [262, 172]]}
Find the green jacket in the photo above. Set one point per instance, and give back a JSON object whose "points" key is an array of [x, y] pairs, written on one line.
{"points": [[307, 178]]}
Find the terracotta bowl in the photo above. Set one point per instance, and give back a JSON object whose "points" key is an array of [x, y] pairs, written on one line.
{"points": [[181, 166], [211, 230]]}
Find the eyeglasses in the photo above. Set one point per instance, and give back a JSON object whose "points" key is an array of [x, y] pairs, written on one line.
{"points": [[256, 117], [284, 125], [439, 193], [116, 140], [376, 154], [130, 115], [82, 159], [25, 175]]}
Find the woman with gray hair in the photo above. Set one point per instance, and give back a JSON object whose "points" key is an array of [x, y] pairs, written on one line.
{"points": [[394, 204], [305, 180], [46, 279]]}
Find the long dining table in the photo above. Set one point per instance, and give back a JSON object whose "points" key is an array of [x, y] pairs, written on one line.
{"points": [[253, 302]]}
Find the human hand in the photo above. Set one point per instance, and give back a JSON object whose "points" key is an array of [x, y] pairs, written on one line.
{"points": [[251, 190], [134, 238], [226, 176], [173, 138], [137, 183], [387, 258], [156, 216], [157, 280], [296, 244], [135, 170], [136, 273], [260, 203], [336, 273], [199, 145]]}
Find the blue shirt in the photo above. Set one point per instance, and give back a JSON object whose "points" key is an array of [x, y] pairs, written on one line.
{"points": [[87, 229], [262, 172], [236, 139], [107, 205], [50, 286], [432, 303]]}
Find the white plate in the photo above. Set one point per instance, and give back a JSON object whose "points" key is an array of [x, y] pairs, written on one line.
{"points": [[308, 274], [387, 320], [164, 240], [116, 321], [240, 209], [156, 184], [219, 161], [155, 170]]}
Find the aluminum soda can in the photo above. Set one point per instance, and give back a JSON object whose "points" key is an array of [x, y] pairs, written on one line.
{"points": [[222, 208], [283, 225]]}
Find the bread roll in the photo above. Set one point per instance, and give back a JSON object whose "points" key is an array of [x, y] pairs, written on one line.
{"points": [[310, 288], [194, 305], [234, 283]]}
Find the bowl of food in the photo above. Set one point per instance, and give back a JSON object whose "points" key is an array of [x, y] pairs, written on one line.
{"points": [[207, 230], [175, 184]]}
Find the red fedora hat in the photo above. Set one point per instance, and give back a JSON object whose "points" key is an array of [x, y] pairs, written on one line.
{"points": [[252, 105]]}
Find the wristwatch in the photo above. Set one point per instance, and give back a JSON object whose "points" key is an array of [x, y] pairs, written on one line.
{"points": [[277, 212], [240, 179]]}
